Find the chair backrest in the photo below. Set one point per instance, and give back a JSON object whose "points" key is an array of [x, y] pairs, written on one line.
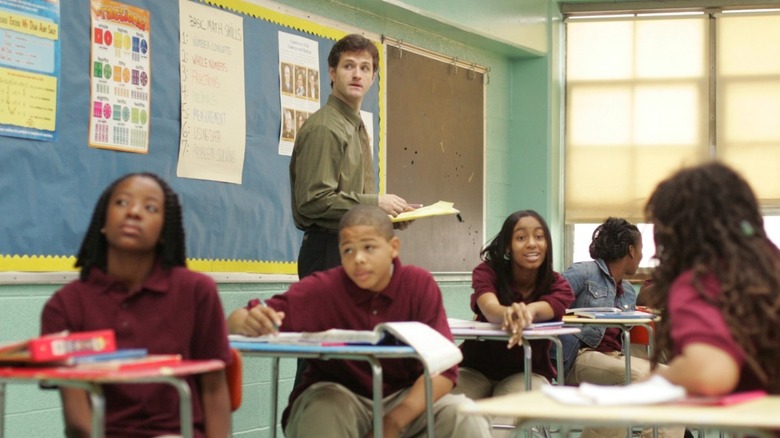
{"points": [[234, 374]]}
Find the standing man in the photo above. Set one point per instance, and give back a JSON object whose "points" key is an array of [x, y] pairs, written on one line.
{"points": [[332, 169]]}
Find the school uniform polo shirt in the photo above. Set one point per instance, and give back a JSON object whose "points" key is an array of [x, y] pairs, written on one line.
{"points": [[176, 311], [329, 299], [692, 319], [492, 358]]}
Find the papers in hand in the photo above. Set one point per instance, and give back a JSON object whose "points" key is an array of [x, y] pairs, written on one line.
{"points": [[438, 209], [652, 391], [464, 328]]}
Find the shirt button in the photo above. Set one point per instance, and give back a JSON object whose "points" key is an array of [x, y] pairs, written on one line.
{"points": [[374, 312], [124, 305], [124, 324]]}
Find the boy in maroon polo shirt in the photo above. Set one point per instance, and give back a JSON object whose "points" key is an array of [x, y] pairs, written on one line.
{"points": [[370, 287]]}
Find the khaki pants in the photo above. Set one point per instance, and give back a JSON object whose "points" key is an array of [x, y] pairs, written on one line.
{"points": [[327, 409]]}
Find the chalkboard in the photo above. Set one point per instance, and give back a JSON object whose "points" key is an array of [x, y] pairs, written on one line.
{"points": [[435, 150], [48, 189]]}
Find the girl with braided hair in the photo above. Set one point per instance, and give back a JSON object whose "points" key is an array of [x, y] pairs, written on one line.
{"points": [[596, 355], [717, 283], [134, 280]]}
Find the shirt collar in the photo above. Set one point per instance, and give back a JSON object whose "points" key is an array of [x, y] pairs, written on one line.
{"points": [[346, 110], [157, 281], [359, 295]]}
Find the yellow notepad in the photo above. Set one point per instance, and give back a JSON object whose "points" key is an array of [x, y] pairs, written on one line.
{"points": [[438, 209]]}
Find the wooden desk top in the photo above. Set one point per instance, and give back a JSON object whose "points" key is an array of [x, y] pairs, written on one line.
{"points": [[762, 413]]}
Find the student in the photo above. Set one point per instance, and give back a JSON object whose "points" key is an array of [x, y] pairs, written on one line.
{"points": [[515, 285], [717, 283], [134, 280], [595, 355], [370, 287], [331, 168]]}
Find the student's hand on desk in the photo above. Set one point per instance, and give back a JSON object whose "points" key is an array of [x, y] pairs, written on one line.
{"points": [[516, 318], [262, 320]]}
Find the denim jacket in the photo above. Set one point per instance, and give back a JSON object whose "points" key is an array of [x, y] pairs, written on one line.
{"points": [[594, 287]]}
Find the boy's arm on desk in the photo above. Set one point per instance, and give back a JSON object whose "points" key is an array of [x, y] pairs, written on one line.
{"points": [[414, 404]]}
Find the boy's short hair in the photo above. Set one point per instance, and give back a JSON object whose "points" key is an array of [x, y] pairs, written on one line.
{"points": [[353, 43], [368, 215]]}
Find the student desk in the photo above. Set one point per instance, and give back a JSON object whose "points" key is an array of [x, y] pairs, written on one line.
{"points": [[625, 326], [92, 380], [369, 353], [756, 415], [528, 335]]}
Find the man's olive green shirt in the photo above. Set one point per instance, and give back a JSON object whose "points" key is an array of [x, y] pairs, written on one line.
{"points": [[329, 172]]}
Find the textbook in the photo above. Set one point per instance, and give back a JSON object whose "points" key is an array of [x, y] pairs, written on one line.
{"points": [[133, 363], [438, 209], [435, 350], [58, 346], [654, 390], [467, 328], [609, 313]]}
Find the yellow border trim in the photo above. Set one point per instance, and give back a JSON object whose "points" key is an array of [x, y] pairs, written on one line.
{"points": [[66, 264]]}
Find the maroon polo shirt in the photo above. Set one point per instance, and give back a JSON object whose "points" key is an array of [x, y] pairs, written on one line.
{"points": [[611, 341], [329, 299], [492, 358], [693, 319], [176, 311]]}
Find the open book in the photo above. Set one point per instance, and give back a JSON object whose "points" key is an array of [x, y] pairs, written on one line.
{"points": [[436, 351], [438, 209], [651, 391], [609, 313]]}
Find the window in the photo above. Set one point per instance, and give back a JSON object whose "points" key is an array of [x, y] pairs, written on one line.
{"points": [[647, 94]]}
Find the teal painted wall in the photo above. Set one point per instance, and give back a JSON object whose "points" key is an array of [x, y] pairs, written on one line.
{"points": [[522, 171]]}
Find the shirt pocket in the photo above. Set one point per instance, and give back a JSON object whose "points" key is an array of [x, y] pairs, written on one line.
{"points": [[597, 294]]}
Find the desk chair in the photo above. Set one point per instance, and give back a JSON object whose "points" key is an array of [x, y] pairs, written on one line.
{"points": [[234, 375]]}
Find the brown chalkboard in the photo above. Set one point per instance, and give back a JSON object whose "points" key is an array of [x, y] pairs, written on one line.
{"points": [[435, 151]]}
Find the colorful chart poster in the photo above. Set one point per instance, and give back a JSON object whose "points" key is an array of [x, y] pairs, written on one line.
{"points": [[29, 68], [299, 85], [120, 86], [213, 107]]}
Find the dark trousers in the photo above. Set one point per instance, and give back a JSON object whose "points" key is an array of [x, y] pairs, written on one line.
{"points": [[319, 252]]}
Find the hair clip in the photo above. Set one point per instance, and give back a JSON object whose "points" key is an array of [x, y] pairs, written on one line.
{"points": [[747, 229]]}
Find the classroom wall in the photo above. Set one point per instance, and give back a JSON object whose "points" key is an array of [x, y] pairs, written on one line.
{"points": [[522, 163]]}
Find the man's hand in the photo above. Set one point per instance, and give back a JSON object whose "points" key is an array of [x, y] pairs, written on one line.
{"points": [[393, 204]]}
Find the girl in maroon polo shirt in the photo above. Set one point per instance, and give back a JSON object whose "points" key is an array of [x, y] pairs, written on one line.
{"points": [[514, 286], [134, 280], [717, 283]]}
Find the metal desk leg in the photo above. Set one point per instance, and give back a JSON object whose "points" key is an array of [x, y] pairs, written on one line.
{"points": [[527, 371], [185, 406], [429, 404], [376, 370], [98, 411], [627, 352], [274, 394], [559, 359]]}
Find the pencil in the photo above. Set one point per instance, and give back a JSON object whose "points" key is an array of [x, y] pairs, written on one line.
{"points": [[276, 327]]}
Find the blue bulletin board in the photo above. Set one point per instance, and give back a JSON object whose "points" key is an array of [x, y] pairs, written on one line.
{"points": [[48, 189]]}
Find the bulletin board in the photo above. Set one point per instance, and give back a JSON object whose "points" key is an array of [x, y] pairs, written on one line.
{"points": [[48, 188], [435, 151]]}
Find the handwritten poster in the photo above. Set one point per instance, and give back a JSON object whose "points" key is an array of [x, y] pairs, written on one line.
{"points": [[213, 117], [299, 85], [120, 81], [29, 68]]}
